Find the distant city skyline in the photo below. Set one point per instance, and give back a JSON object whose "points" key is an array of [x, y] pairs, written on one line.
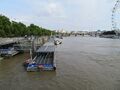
{"points": [[70, 15]]}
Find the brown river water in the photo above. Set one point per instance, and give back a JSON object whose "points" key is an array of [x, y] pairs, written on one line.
{"points": [[83, 63]]}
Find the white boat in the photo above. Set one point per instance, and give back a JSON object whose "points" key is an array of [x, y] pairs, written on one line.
{"points": [[57, 41]]}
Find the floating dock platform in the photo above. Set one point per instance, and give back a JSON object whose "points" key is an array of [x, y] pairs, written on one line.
{"points": [[44, 60]]}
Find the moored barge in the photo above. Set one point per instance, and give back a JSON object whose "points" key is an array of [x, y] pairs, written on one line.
{"points": [[44, 59]]}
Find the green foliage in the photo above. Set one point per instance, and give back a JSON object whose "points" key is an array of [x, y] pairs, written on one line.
{"points": [[16, 29]]}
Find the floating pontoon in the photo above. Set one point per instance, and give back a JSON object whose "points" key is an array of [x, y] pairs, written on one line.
{"points": [[44, 59]]}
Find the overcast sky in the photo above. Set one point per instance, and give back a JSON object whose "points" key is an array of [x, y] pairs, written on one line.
{"points": [[57, 14]]}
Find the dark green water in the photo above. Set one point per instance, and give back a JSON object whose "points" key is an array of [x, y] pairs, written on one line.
{"points": [[83, 63]]}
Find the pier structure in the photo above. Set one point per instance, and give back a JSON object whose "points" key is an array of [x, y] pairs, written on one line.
{"points": [[12, 46], [44, 59], [31, 43], [7, 46]]}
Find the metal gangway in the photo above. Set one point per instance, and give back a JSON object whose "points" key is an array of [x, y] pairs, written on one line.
{"points": [[45, 54]]}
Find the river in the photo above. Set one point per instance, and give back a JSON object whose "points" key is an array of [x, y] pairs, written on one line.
{"points": [[83, 63]]}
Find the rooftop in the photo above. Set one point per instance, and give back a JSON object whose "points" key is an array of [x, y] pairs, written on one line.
{"points": [[46, 49]]}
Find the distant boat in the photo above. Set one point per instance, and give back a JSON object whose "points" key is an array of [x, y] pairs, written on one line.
{"points": [[8, 52], [57, 42], [59, 36], [110, 34]]}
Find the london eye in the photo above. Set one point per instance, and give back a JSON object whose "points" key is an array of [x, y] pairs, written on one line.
{"points": [[116, 16]]}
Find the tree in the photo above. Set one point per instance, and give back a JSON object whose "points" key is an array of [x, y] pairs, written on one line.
{"points": [[16, 29], [5, 26]]}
